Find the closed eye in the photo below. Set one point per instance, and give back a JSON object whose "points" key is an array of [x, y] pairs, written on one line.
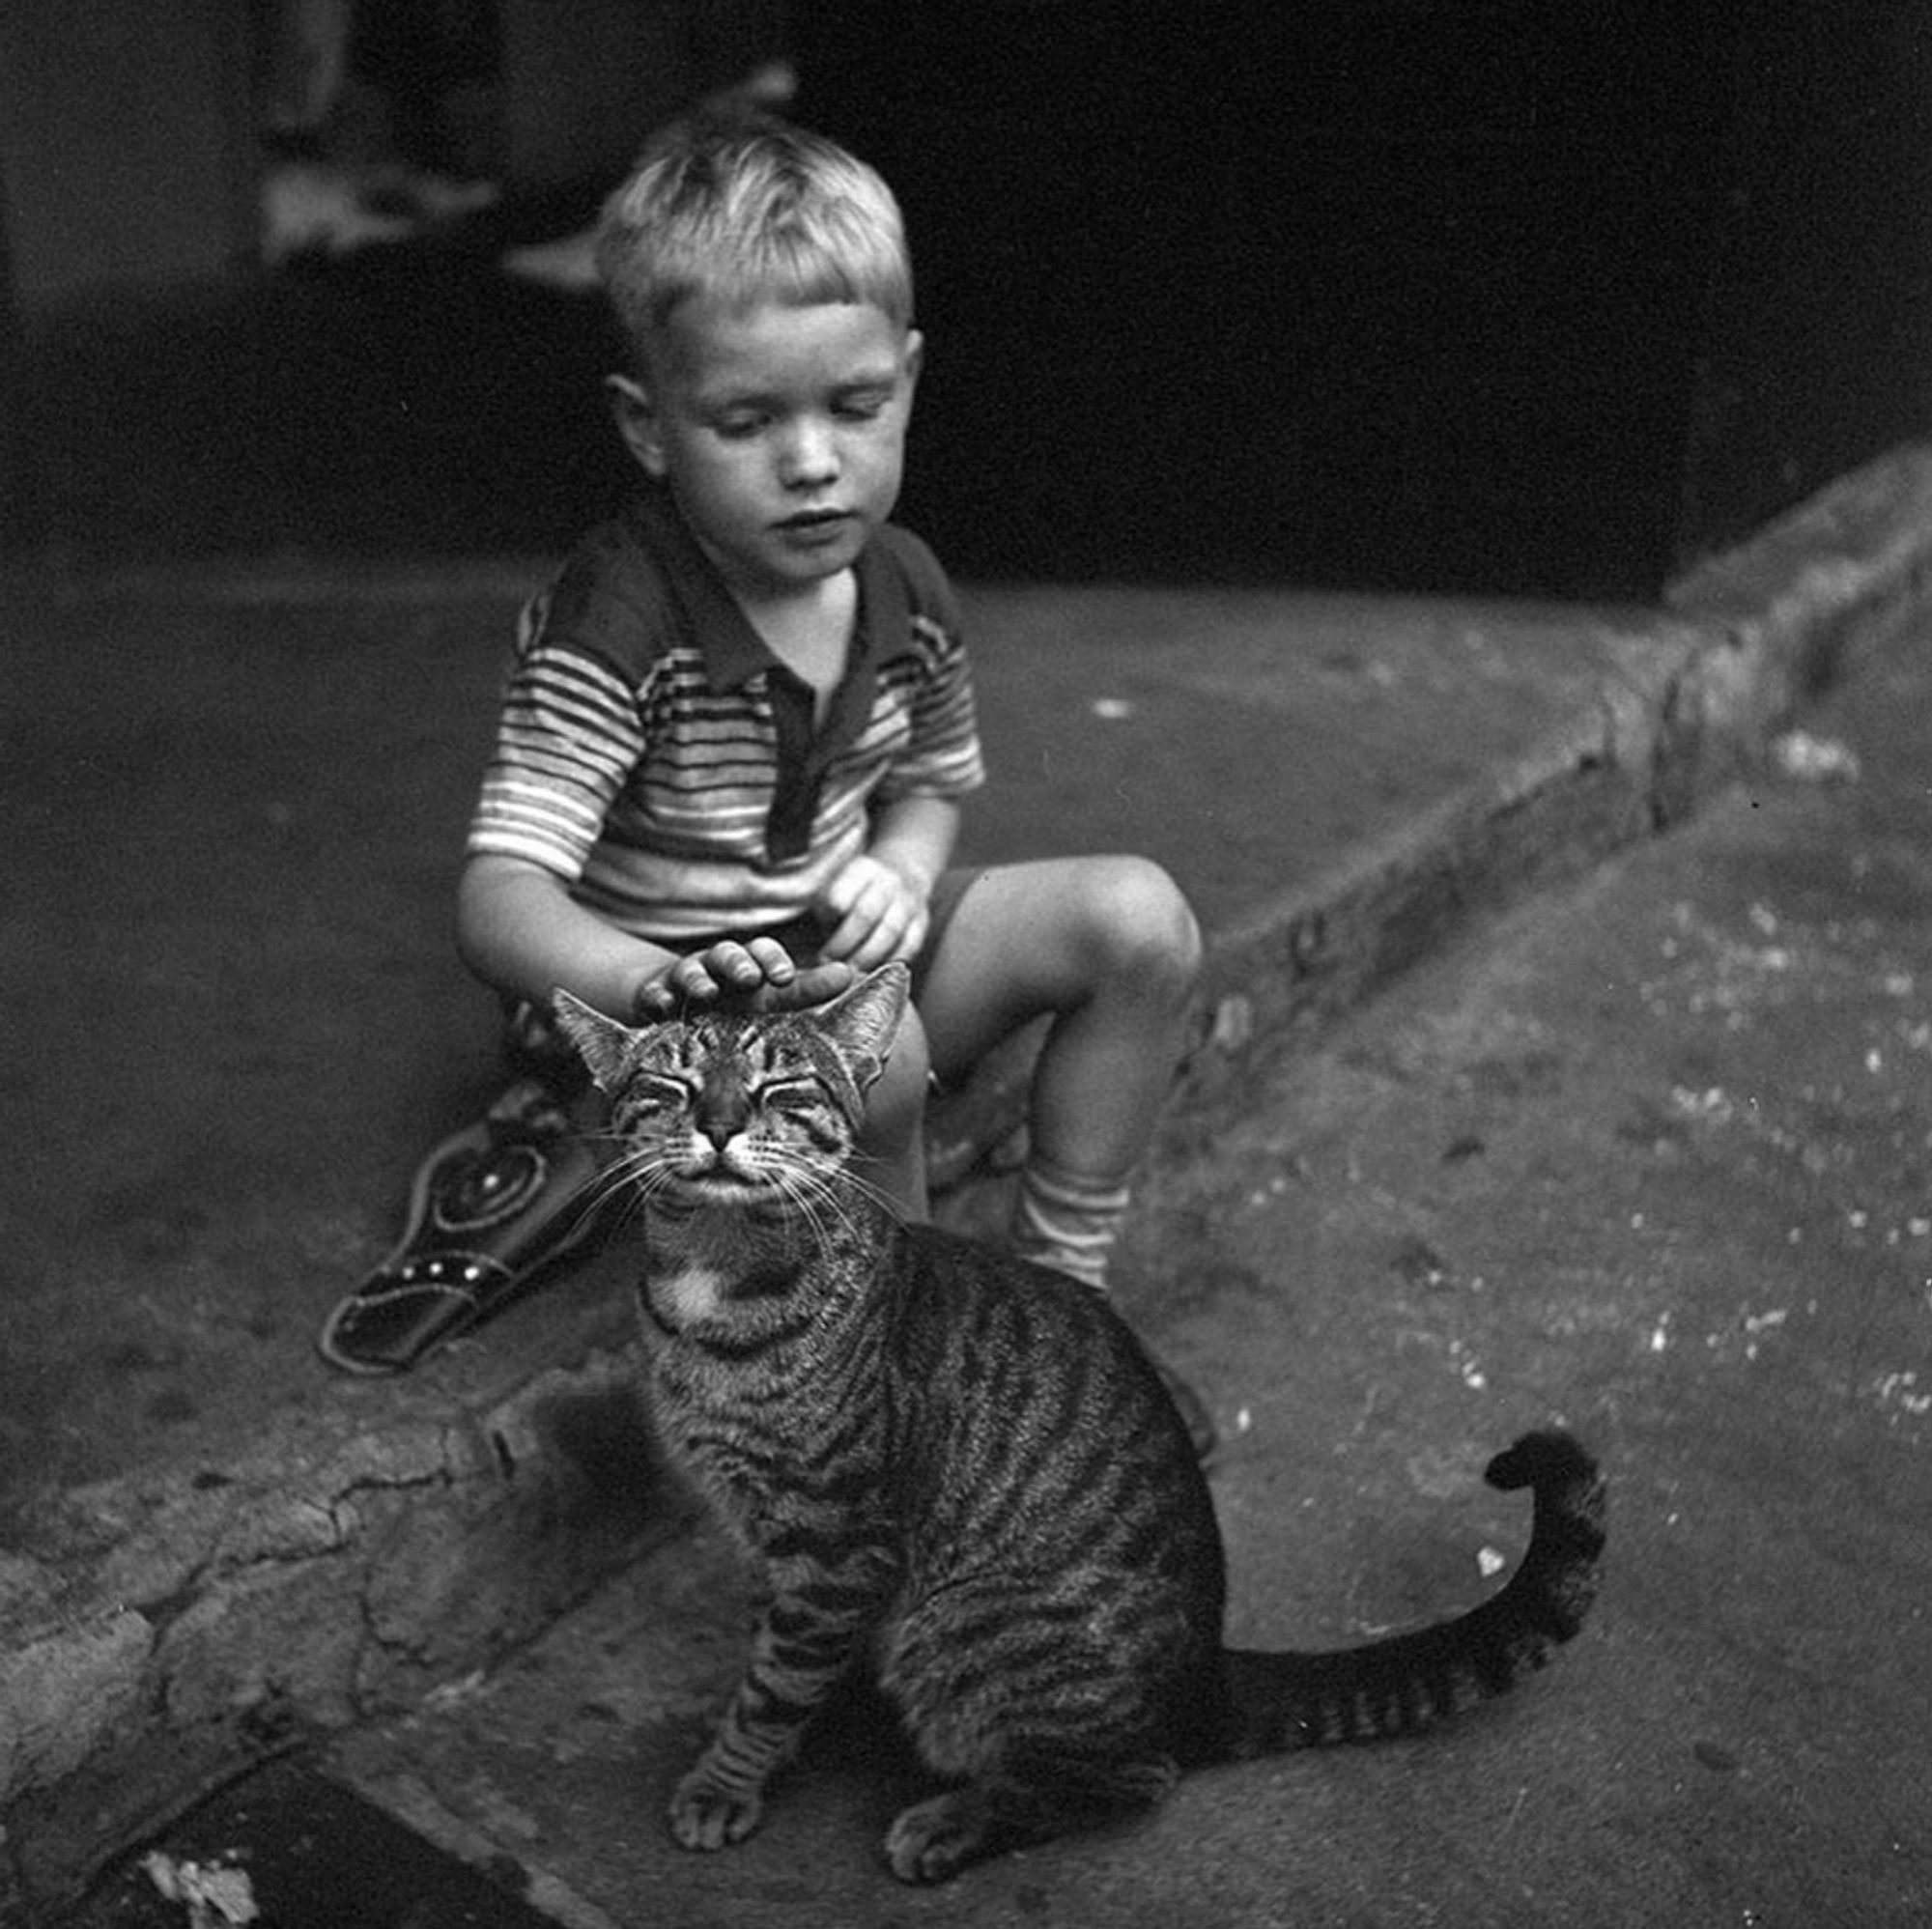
{"points": [[651, 1093], [791, 1094], [863, 404]]}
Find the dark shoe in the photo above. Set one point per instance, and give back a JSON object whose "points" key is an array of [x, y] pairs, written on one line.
{"points": [[490, 1207], [1192, 1409]]}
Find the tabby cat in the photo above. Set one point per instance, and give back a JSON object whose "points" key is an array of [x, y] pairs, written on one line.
{"points": [[962, 1468]]}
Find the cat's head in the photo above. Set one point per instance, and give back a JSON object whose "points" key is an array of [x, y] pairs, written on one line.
{"points": [[728, 1105]]}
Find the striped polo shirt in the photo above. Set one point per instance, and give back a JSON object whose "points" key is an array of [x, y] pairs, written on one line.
{"points": [[658, 756]]}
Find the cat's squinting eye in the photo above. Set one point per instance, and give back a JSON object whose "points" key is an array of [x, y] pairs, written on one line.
{"points": [[662, 1093], [790, 1093]]}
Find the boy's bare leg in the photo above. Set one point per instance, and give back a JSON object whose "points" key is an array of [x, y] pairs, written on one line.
{"points": [[1110, 948]]}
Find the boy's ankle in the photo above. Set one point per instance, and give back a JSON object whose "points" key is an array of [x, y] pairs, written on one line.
{"points": [[1088, 1268], [1067, 1221]]}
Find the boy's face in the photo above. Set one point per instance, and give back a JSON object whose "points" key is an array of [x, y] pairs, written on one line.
{"points": [[780, 431]]}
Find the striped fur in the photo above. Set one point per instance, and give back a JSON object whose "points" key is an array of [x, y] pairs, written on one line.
{"points": [[962, 1470]]}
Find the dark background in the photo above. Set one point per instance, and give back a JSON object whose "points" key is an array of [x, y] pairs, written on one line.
{"points": [[1391, 296], [1432, 295]]}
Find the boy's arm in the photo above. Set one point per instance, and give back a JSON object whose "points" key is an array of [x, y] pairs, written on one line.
{"points": [[915, 836], [880, 898], [519, 929]]}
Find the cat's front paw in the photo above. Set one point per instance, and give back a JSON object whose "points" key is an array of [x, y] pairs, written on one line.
{"points": [[935, 1840], [704, 1814]]}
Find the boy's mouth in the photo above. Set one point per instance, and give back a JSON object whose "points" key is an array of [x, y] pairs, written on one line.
{"points": [[814, 530]]}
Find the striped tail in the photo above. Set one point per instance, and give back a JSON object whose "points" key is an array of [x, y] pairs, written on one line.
{"points": [[1410, 1682]]}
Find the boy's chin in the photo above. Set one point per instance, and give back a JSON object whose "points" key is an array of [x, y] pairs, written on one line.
{"points": [[788, 571], [784, 569]]}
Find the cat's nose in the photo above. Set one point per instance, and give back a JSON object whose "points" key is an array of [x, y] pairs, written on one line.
{"points": [[721, 1116]]}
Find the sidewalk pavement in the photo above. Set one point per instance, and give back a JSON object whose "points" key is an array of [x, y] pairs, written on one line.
{"points": [[239, 795]]}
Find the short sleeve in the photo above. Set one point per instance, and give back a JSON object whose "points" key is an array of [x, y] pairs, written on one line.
{"points": [[571, 728], [943, 757]]}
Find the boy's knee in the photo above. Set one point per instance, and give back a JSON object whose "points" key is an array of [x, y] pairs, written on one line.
{"points": [[1139, 925]]}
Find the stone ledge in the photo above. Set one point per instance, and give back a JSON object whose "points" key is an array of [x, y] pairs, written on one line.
{"points": [[307, 1587]]}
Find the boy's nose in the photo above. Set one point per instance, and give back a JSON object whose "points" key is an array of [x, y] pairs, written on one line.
{"points": [[810, 454]]}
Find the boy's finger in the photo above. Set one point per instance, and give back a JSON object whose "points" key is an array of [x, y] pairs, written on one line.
{"points": [[896, 934], [664, 995], [813, 985], [887, 944], [873, 947], [732, 964], [774, 962], [848, 941]]}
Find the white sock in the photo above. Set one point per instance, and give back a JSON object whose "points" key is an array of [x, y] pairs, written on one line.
{"points": [[1066, 1221]]}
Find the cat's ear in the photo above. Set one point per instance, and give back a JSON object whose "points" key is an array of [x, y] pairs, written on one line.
{"points": [[602, 1042], [864, 1020]]}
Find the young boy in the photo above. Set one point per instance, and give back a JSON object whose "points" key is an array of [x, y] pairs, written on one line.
{"points": [[734, 745]]}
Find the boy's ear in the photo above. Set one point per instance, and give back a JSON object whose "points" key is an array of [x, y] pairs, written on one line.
{"points": [[636, 416], [915, 356]]}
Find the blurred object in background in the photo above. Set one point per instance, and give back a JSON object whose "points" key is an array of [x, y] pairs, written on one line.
{"points": [[378, 123], [569, 262]]}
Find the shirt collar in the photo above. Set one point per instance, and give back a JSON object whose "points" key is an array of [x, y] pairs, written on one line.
{"points": [[733, 651]]}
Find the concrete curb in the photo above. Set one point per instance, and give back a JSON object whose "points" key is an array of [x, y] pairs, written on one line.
{"points": [[194, 1623], [194, 1627], [1761, 628]]}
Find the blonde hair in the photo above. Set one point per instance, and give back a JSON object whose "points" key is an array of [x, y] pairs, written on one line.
{"points": [[742, 207]]}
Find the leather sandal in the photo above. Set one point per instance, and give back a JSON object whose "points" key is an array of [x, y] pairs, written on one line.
{"points": [[490, 1208]]}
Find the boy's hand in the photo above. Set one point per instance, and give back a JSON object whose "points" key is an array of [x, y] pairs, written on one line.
{"points": [[759, 976], [880, 911]]}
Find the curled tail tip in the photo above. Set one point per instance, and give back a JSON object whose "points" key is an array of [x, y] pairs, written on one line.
{"points": [[1548, 1458], [1407, 1682], [1568, 1530]]}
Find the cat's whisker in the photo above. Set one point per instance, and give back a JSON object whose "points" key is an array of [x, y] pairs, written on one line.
{"points": [[635, 1176], [804, 1194], [842, 1181], [833, 1201], [812, 1188], [618, 1172]]}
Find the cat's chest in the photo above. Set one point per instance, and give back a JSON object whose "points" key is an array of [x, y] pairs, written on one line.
{"points": [[688, 1293], [704, 1267]]}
